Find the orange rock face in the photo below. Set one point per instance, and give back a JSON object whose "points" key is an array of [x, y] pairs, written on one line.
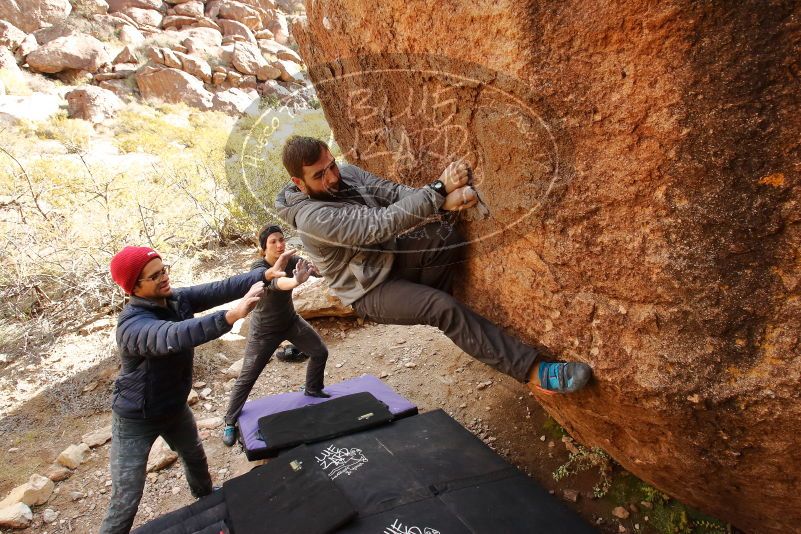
{"points": [[642, 171]]}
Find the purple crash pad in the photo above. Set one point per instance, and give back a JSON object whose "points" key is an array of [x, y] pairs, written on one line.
{"points": [[255, 448]]}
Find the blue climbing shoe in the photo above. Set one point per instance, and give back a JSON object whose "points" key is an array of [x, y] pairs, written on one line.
{"points": [[563, 377], [229, 435]]}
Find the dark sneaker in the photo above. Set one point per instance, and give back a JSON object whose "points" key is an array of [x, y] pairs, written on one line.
{"points": [[563, 377], [229, 435], [290, 354], [319, 393]]}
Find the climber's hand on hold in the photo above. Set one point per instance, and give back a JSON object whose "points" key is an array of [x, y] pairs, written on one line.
{"points": [[455, 176], [460, 199]]}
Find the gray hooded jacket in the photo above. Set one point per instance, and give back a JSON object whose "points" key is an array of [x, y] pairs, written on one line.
{"points": [[351, 238]]}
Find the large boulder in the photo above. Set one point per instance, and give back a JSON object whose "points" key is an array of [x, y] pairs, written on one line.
{"points": [[18, 515], [247, 58], [122, 5], [202, 40], [172, 85], [30, 15], [126, 55], [190, 9], [93, 104], [289, 70], [143, 16], [74, 455], [235, 101], [36, 491], [8, 61], [96, 7], [160, 456], [264, 5], [243, 13], [640, 164], [10, 35], [278, 50], [121, 88], [280, 28], [233, 28], [27, 46], [130, 35], [51, 33], [98, 437], [212, 8], [313, 299], [177, 22], [197, 67], [77, 51]]}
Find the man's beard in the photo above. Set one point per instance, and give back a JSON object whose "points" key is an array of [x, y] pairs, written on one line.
{"points": [[344, 192], [327, 197]]}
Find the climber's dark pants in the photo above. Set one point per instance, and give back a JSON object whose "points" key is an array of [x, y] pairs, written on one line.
{"points": [[131, 440], [418, 292], [260, 348]]}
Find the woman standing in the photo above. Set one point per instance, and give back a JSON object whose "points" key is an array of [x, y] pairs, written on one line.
{"points": [[274, 320]]}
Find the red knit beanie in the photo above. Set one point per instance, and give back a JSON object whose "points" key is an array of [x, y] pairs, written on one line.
{"points": [[127, 265]]}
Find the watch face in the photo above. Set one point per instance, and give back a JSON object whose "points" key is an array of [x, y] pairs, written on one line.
{"points": [[439, 187]]}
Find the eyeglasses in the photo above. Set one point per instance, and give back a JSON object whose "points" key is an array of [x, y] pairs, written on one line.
{"points": [[157, 276], [330, 166]]}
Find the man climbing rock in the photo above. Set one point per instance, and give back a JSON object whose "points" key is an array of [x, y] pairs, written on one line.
{"points": [[351, 224], [274, 320], [156, 335]]}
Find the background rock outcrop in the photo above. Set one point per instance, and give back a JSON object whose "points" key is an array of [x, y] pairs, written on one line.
{"points": [[71, 52], [641, 168], [213, 46], [30, 15], [91, 103]]}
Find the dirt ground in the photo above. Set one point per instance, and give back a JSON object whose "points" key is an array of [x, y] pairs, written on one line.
{"points": [[419, 362]]}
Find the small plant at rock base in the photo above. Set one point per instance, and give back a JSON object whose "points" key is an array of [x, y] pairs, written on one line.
{"points": [[552, 429], [585, 459], [679, 522], [707, 526], [666, 515], [652, 495]]}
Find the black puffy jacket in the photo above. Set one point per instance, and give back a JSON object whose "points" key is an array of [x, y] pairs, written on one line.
{"points": [[157, 344]]}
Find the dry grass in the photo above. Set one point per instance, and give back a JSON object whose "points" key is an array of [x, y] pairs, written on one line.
{"points": [[65, 215], [14, 82]]}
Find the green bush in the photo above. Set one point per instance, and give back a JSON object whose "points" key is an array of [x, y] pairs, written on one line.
{"points": [[585, 459], [665, 515]]}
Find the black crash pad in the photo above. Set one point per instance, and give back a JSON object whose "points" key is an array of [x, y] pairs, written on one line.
{"points": [[207, 512], [429, 516], [425, 473], [317, 422], [288, 494], [512, 505], [388, 472]]}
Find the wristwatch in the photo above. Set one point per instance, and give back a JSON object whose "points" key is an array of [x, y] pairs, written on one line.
{"points": [[439, 187]]}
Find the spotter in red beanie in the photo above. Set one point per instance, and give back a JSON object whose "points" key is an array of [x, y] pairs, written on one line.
{"points": [[127, 265]]}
